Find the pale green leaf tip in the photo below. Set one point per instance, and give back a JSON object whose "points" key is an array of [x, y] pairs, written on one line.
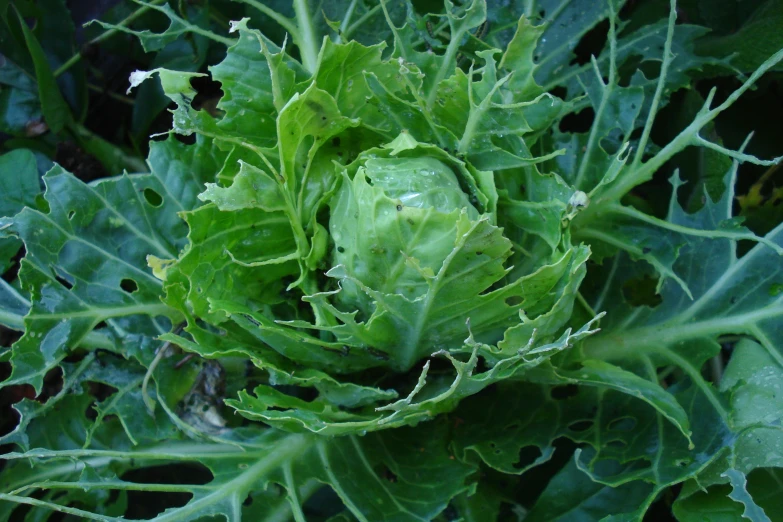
{"points": [[159, 266], [402, 143], [173, 82], [238, 25]]}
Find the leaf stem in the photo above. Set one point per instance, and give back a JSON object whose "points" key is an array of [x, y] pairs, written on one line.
{"points": [[191, 27], [477, 111], [448, 58], [358, 23], [667, 58], [144, 384], [735, 235], [78, 513], [293, 497], [111, 94], [606, 94], [92, 341], [348, 15], [284, 22], [70, 62], [308, 46], [581, 300], [687, 137]]}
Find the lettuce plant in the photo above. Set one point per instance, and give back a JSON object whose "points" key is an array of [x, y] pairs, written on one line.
{"points": [[361, 290]]}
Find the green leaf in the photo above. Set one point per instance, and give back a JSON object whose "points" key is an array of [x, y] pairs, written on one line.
{"points": [[314, 114], [740, 494], [437, 68], [603, 374], [251, 188], [755, 41], [721, 302], [426, 399], [493, 122], [19, 187], [424, 291], [221, 259], [377, 261], [341, 72], [377, 477], [248, 101], [86, 257], [563, 24], [659, 241], [53, 106], [20, 108], [572, 496], [178, 27], [645, 44], [713, 505]]}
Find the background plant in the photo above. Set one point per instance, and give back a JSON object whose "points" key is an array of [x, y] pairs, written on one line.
{"points": [[675, 391]]}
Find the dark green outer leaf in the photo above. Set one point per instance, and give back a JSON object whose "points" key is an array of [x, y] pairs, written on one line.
{"points": [[56, 112], [19, 186], [756, 40]]}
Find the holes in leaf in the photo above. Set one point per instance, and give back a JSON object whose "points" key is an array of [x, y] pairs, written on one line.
{"points": [[622, 424], [340, 249], [616, 444], [187, 139], [681, 463], [627, 69], [248, 501], [322, 505], [559, 91], [67, 284], [563, 392], [129, 285], [71, 214], [53, 381], [91, 413], [650, 69], [611, 144], [591, 44], [383, 471], [578, 122], [481, 366], [299, 392], [582, 425], [514, 300], [152, 197], [640, 291], [527, 456], [9, 417], [608, 467], [13, 270], [451, 513], [208, 93], [148, 504]]}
